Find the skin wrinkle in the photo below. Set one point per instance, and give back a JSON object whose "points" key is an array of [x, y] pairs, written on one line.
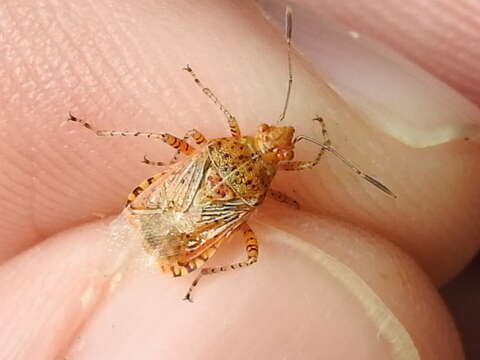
{"points": [[427, 209], [387, 111], [82, 54], [45, 68], [110, 180], [70, 273], [121, 141], [168, 295], [389, 327], [129, 49], [37, 195], [14, 185], [140, 110], [110, 60], [357, 252]]}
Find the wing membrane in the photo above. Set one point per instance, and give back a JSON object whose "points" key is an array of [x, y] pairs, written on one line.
{"points": [[171, 218]]}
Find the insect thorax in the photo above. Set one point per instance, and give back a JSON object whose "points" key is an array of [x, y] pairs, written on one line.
{"points": [[241, 167]]}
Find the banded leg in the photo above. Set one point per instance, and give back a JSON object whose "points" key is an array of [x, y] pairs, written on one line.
{"points": [[196, 135], [140, 188], [181, 268], [152, 163], [171, 140], [301, 165], [232, 122], [252, 257], [281, 197]]}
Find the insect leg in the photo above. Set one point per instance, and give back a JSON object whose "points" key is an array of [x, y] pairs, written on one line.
{"points": [[196, 135], [326, 138], [301, 165], [252, 256], [152, 163], [161, 163], [232, 122], [327, 146], [140, 188], [171, 140], [281, 197]]}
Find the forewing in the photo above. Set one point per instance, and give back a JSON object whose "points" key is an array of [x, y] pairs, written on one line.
{"points": [[160, 214], [157, 234], [224, 217], [165, 233], [177, 188], [183, 185], [168, 219], [219, 222]]}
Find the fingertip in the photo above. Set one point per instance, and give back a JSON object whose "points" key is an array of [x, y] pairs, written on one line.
{"points": [[50, 290], [336, 293]]}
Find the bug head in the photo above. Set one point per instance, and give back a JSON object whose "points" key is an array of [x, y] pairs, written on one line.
{"points": [[277, 141]]}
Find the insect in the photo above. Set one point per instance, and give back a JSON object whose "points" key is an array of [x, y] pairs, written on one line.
{"points": [[187, 210]]}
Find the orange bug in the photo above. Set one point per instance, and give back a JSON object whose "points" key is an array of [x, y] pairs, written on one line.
{"points": [[186, 211]]}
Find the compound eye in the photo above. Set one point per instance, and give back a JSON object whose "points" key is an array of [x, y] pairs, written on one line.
{"points": [[288, 155]]}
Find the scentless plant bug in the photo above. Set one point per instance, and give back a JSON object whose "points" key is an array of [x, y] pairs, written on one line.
{"points": [[185, 212]]}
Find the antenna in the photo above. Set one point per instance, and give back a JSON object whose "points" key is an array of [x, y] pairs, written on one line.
{"points": [[359, 172], [288, 38]]}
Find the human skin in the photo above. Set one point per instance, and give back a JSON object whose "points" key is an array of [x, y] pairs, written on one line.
{"points": [[66, 290]]}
